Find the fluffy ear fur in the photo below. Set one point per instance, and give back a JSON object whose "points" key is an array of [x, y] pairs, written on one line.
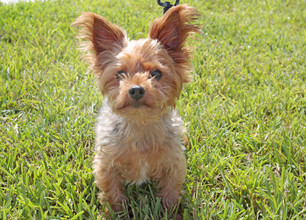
{"points": [[172, 30], [102, 37]]}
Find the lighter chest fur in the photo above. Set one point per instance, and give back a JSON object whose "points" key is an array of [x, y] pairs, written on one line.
{"points": [[134, 149]]}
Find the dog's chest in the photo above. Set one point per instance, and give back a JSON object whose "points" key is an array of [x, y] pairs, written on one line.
{"points": [[138, 167], [136, 172], [143, 173]]}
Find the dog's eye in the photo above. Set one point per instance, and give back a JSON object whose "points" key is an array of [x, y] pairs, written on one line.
{"points": [[121, 75], [156, 74]]}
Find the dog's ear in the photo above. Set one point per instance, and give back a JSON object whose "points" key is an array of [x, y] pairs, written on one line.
{"points": [[101, 34], [173, 28]]}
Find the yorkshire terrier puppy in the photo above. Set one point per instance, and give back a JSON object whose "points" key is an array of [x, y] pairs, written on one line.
{"points": [[139, 133]]}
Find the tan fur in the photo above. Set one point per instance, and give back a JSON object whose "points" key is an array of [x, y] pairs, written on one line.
{"points": [[138, 140]]}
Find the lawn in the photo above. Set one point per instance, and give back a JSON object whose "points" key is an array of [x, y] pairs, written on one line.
{"points": [[244, 111]]}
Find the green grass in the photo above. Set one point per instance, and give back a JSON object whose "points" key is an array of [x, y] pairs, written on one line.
{"points": [[244, 111]]}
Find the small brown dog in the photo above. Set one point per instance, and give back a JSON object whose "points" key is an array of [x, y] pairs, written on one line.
{"points": [[139, 134]]}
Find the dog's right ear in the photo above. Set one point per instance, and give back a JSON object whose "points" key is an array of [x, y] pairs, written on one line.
{"points": [[101, 35]]}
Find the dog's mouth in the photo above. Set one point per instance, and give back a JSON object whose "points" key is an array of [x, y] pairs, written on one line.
{"points": [[134, 105]]}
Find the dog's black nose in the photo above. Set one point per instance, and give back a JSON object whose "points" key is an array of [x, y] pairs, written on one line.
{"points": [[136, 92]]}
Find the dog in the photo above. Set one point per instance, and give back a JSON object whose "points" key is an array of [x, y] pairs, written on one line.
{"points": [[139, 134]]}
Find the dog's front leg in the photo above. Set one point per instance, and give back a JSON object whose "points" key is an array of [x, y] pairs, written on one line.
{"points": [[170, 184], [110, 182]]}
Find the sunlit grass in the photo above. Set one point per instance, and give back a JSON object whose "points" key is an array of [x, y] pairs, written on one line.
{"points": [[244, 112]]}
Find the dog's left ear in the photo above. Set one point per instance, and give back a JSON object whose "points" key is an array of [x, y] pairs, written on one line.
{"points": [[173, 28]]}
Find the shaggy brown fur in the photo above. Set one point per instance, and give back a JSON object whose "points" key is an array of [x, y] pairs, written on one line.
{"points": [[139, 138]]}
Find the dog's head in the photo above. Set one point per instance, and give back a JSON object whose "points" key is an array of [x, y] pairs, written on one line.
{"points": [[140, 78]]}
